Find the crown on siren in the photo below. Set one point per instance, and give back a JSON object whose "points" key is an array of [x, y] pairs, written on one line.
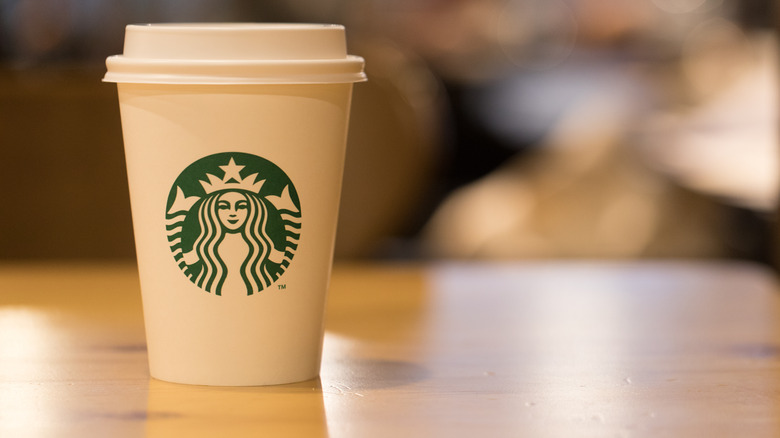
{"points": [[232, 180]]}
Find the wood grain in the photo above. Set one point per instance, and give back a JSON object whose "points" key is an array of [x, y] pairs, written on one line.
{"points": [[511, 349]]}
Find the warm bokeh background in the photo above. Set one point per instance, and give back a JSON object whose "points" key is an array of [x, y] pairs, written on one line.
{"points": [[488, 129]]}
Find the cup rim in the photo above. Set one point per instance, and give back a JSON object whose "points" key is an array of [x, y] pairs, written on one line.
{"points": [[234, 53]]}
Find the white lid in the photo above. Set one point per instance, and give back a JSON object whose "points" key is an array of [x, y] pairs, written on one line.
{"points": [[234, 53]]}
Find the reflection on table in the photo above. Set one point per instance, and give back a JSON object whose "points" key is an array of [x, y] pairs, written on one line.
{"points": [[537, 349]]}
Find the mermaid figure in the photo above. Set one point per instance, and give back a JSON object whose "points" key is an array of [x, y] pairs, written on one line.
{"points": [[237, 235]]}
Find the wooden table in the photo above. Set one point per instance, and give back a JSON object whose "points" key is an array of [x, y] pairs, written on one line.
{"points": [[485, 350]]}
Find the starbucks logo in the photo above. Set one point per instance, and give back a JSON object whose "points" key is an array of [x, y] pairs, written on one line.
{"points": [[233, 222]]}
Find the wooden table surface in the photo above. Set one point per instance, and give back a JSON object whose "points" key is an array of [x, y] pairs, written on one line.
{"points": [[473, 350]]}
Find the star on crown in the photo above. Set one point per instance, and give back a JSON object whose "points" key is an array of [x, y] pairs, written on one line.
{"points": [[232, 180]]}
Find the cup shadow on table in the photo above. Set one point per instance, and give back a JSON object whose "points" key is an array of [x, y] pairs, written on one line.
{"points": [[281, 410], [297, 409], [365, 374]]}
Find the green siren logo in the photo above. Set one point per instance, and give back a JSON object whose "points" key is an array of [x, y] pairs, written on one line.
{"points": [[233, 222]]}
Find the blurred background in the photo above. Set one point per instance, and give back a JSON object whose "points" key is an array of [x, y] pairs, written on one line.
{"points": [[488, 129]]}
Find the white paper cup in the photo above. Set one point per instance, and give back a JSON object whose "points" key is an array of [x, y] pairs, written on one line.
{"points": [[234, 139]]}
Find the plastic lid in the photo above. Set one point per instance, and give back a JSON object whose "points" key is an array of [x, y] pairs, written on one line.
{"points": [[234, 53]]}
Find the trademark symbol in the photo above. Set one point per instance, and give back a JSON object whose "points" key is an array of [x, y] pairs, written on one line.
{"points": [[282, 286]]}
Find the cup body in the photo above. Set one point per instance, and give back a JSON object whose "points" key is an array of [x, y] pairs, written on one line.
{"points": [[234, 190]]}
